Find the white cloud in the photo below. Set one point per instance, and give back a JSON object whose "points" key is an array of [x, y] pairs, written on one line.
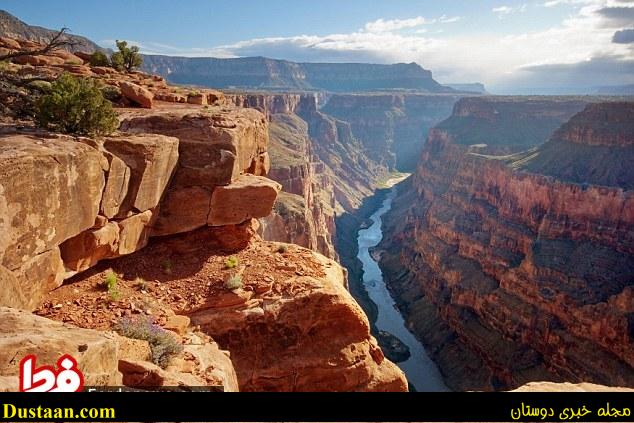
{"points": [[382, 25], [465, 56], [389, 25], [503, 11]]}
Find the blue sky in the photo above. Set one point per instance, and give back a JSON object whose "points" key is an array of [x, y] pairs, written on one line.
{"points": [[500, 43]]}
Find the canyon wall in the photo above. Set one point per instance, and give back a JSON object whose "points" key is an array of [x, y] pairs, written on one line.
{"points": [[391, 127], [323, 168], [272, 74], [510, 275]]}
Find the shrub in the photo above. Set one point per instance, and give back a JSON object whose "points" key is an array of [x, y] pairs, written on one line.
{"points": [[111, 93], [231, 262], [282, 249], [233, 282], [42, 86], [99, 58], [127, 58], [163, 344], [76, 106], [111, 285]]}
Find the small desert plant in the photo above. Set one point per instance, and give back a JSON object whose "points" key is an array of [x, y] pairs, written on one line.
{"points": [[231, 262], [141, 283], [99, 58], [163, 344], [233, 282], [4, 65], [111, 284], [77, 106], [282, 249], [167, 266], [127, 58], [194, 93]]}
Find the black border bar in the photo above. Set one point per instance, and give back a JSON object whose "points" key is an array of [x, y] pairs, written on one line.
{"points": [[333, 407]]}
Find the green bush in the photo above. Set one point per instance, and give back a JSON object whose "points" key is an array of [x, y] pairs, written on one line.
{"points": [[127, 58], [111, 93], [110, 282], [76, 106], [99, 58], [163, 344], [233, 282], [231, 262], [282, 249]]}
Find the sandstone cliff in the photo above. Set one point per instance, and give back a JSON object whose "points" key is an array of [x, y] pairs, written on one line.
{"points": [[324, 170], [162, 206], [509, 275]]}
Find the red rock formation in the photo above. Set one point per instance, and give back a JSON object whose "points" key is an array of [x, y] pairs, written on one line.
{"points": [[510, 276], [391, 127]]}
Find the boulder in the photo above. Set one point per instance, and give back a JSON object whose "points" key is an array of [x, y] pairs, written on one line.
{"points": [[88, 248], [38, 60], [102, 70], [50, 190], [200, 99], [216, 145], [9, 43], [151, 160], [248, 197], [23, 333], [135, 232], [39, 275], [112, 240], [182, 210], [117, 184], [137, 94]]}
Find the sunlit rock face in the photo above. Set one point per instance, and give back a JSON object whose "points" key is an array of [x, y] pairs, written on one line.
{"points": [[517, 268]]}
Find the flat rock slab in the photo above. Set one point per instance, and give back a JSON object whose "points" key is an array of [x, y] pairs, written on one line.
{"points": [[248, 197], [23, 333]]}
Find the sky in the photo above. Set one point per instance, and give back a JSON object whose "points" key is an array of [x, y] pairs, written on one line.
{"points": [[512, 46]]}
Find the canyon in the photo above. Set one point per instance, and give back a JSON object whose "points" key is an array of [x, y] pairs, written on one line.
{"points": [[506, 257], [518, 267]]}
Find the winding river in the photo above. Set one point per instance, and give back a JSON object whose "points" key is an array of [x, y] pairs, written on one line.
{"points": [[420, 370]]}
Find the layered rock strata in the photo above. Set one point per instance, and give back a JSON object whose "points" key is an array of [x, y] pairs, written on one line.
{"points": [[509, 275], [66, 204], [391, 127]]}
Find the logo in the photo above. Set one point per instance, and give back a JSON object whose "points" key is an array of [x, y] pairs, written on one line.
{"points": [[66, 378]]}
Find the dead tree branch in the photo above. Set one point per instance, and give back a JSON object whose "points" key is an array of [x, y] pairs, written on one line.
{"points": [[58, 41]]}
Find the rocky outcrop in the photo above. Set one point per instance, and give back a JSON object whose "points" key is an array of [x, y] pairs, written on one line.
{"points": [[511, 276], [23, 333], [66, 204], [136, 94], [391, 127], [216, 146]]}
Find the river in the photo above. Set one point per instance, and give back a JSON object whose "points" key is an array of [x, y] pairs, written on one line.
{"points": [[420, 370]]}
